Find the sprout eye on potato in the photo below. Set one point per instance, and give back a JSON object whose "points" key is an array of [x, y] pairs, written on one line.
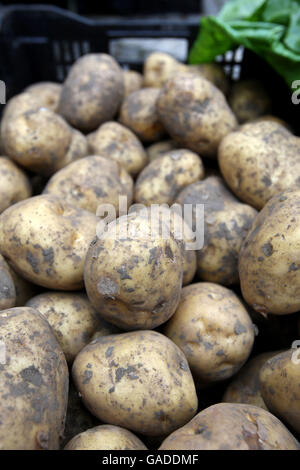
{"points": [[138, 380]]}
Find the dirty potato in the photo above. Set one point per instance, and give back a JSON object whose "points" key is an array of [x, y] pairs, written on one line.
{"points": [[212, 72], [46, 240], [160, 148], [47, 93], [249, 100], [138, 380], [133, 81], [33, 383], [78, 148], [213, 329], [14, 184], [7, 286], [159, 67], [92, 92]]}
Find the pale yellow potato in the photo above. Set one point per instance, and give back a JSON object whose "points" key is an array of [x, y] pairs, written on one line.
{"points": [[106, 437], [133, 275], [92, 92], [270, 257], [138, 380], [7, 286], [14, 184], [259, 160], [160, 148], [195, 113], [33, 382], [270, 117], [90, 182], [213, 329], [78, 148], [212, 72], [139, 113], [117, 143], [42, 139], [226, 224], [227, 426], [159, 67], [279, 387], [162, 180], [249, 100], [47, 93], [46, 240], [72, 318], [133, 81], [19, 104]]}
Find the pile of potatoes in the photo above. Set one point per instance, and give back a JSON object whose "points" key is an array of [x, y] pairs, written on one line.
{"points": [[114, 336]]}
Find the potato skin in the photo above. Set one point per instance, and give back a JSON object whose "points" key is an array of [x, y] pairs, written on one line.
{"points": [[226, 224], [114, 268], [92, 92], [207, 316], [162, 180], [158, 149], [117, 143], [249, 100], [47, 93], [89, 182], [245, 387], [213, 72], [78, 148], [46, 240], [133, 81], [127, 366], [7, 286], [34, 383], [106, 437], [159, 67], [259, 160], [253, 429], [195, 113], [139, 113], [14, 184], [269, 258], [279, 386], [72, 318]]}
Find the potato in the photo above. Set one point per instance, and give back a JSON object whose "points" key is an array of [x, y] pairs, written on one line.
{"points": [[195, 113], [14, 184], [116, 142], [160, 148], [227, 426], [78, 149], [213, 73], [132, 249], [279, 387], [138, 380], [33, 383], [244, 387], [41, 141], [89, 182], [24, 289], [106, 437], [92, 92], [249, 100], [270, 117], [7, 286], [72, 318], [159, 67], [259, 160], [213, 329], [138, 112], [47, 93], [133, 81], [19, 104], [162, 180], [226, 223], [269, 258], [46, 239]]}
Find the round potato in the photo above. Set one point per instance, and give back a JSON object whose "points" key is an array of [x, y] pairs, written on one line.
{"points": [[249, 100], [162, 180], [91, 182], [46, 240], [24, 289], [213, 329], [78, 149], [130, 249], [14, 184], [33, 382], [212, 72], [227, 426], [47, 93], [138, 380], [226, 224], [138, 112], [259, 160], [133, 81], [92, 92], [159, 67], [72, 318], [245, 387], [7, 286], [195, 113], [106, 437], [116, 142], [19, 104], [279, 387], [160, 148], [270, 257], [42, 140]]}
